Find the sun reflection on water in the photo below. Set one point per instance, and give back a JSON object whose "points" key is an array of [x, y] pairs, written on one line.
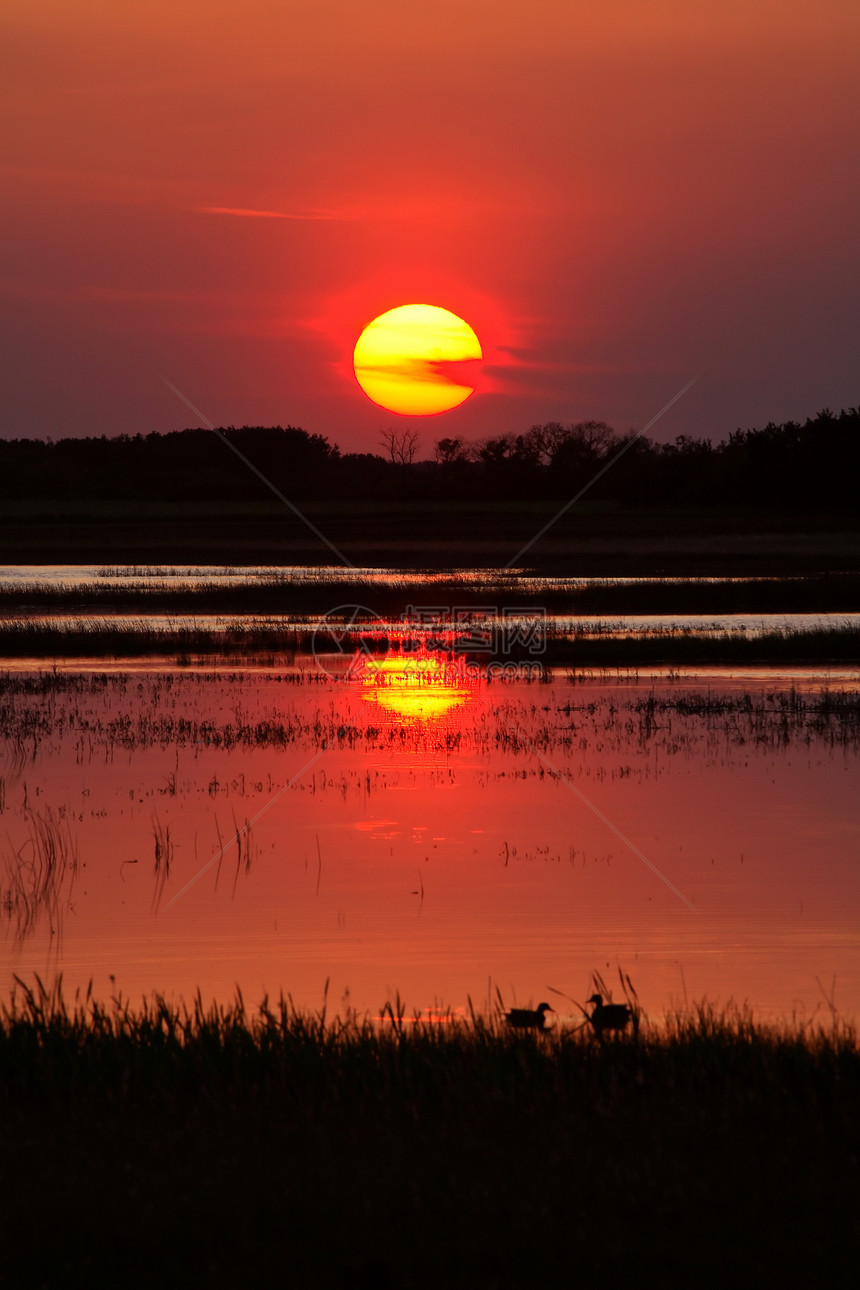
{"points": [[420, 686]]}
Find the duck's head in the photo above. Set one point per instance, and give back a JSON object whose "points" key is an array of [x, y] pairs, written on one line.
{"points": [[596, 999], [543, 1007]]}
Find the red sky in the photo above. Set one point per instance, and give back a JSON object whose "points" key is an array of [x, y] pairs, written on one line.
{"points": [[615, 194]]}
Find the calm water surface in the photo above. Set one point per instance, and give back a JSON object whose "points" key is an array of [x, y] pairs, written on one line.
{"points": [[441, 837]]}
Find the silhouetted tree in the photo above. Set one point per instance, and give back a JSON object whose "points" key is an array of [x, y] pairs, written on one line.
{"points": [[494, 451], [401, 445], [448, 451], [541, 442], [807, 465]]}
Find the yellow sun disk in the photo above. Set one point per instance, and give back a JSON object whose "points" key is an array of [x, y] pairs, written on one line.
{"points": [[398, 357]]}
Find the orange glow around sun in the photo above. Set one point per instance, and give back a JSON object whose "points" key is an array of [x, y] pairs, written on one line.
{"points": [[406, 360]]}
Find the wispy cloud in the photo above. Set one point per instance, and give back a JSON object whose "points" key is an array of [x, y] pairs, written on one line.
{"points": [[247, 213], [424, 208]]}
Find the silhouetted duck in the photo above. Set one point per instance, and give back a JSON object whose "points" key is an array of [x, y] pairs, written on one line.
{"points": [[609, 1016], [529, 1018]]}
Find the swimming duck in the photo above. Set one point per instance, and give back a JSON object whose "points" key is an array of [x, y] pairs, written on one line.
{"points": [[609, 1016], [529, 1018]]}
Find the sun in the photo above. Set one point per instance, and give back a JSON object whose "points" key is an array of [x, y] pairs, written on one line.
{"points": [[407, 360]]}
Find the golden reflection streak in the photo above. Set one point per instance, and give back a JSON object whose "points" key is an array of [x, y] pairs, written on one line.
{"points": [[419, 687]]}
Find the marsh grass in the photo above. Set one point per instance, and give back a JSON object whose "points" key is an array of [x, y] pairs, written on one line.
{"points": [[37, 878], [105, 712], [163, 848], [155, 589], [278, 1145], [839, 644], [283, 639], [104, 637]]}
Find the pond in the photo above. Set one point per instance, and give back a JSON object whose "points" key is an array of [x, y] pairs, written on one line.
{"points": [[433, 834]]}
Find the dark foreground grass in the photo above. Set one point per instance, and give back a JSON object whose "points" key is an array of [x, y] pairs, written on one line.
{"points": [[216, 1148]]}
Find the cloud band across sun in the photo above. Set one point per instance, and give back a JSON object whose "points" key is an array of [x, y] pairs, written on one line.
{"points": [[417, 360]]}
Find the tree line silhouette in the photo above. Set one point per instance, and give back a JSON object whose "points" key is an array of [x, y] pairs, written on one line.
{"points": [[814, 464]]}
